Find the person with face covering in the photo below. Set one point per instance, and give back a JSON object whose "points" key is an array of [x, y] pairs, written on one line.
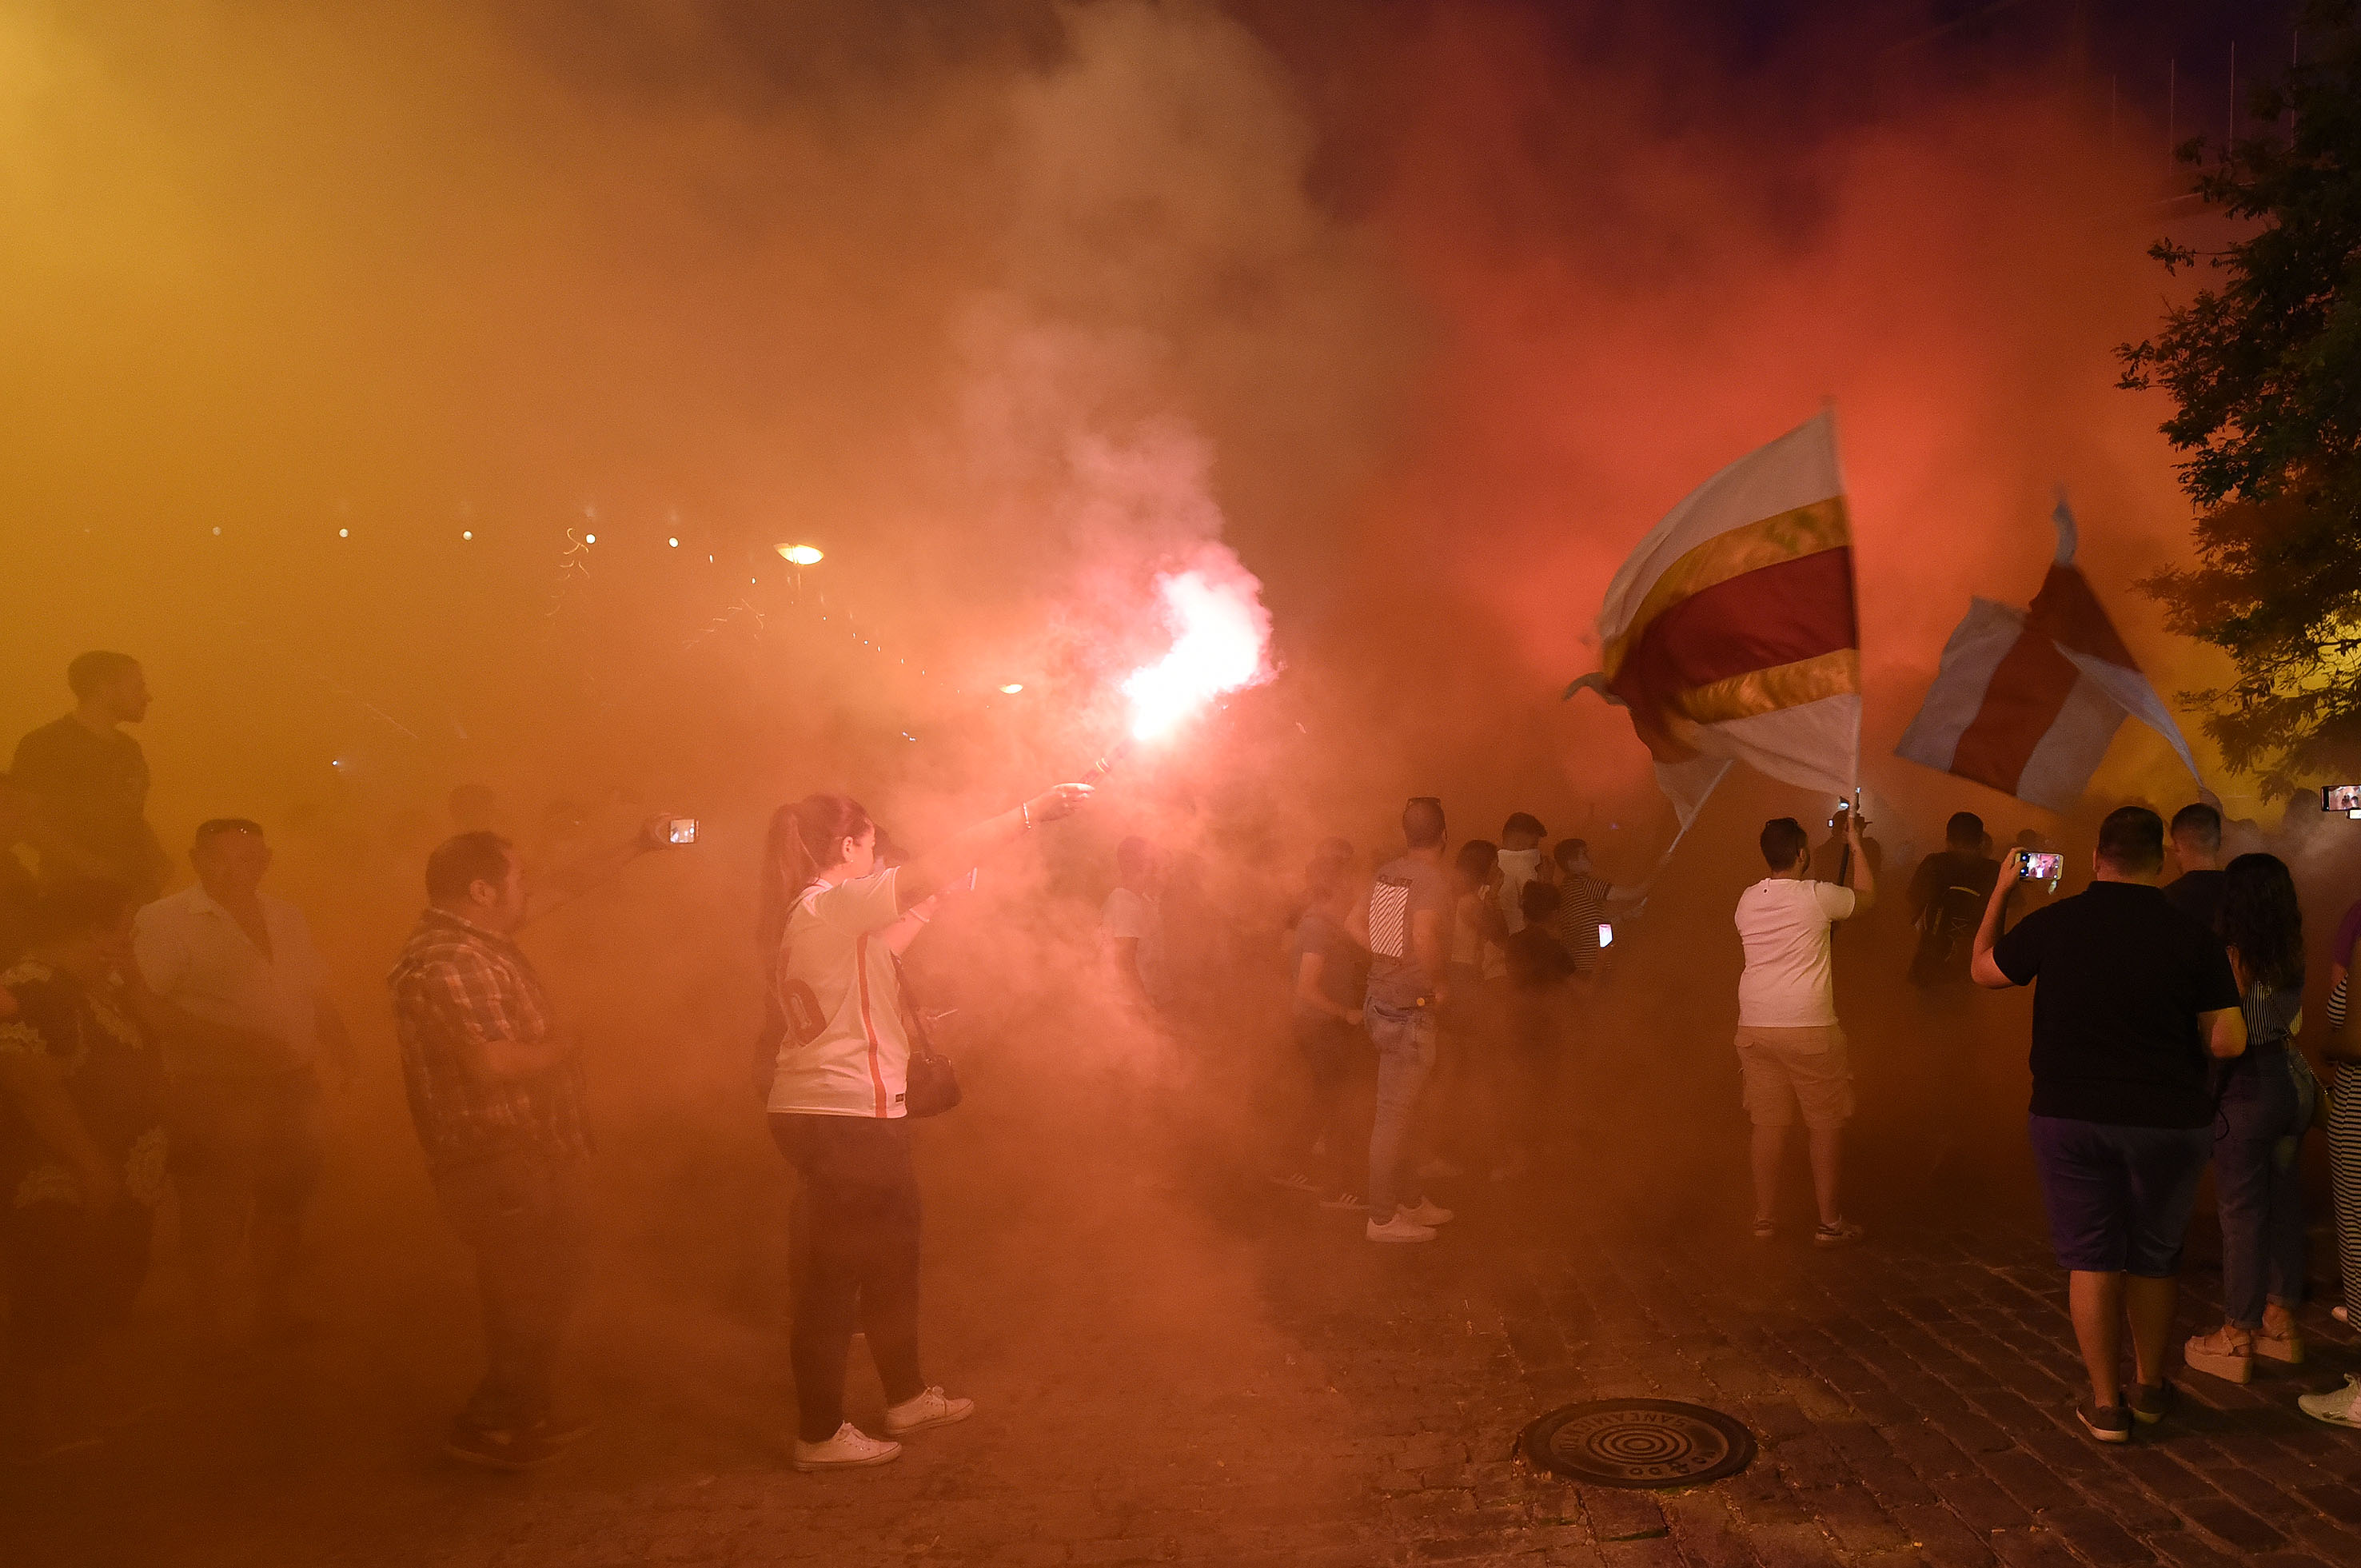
{"points": [[835, 921], [247, 1024]]}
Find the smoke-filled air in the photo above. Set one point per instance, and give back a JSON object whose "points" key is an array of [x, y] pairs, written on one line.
{"points": [[997, 782]]}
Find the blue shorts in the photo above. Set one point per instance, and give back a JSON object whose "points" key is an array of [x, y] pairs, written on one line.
{"points": [[2119, 1198]]}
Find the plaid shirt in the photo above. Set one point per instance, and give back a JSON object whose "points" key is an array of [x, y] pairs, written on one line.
{"points": [[458, 986]]}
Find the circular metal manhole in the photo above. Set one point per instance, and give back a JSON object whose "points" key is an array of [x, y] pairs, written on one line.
{"points": [[1639, 1443]]}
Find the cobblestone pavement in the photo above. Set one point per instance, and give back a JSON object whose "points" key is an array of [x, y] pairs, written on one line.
{"points": [[1179, 1363]]}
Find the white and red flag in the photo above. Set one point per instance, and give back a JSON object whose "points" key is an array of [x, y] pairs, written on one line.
{"points": [[1730, 633], [2027, 700]]}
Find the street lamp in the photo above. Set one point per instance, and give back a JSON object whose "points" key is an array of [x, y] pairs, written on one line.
{"points": [[802, 555]]}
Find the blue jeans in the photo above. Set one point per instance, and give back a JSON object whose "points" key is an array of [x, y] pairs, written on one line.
{"points": [[1405, 1041], [2257, 1187]]}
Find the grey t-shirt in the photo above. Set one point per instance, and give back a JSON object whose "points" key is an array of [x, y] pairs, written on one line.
{"points": [[1403, 888]]}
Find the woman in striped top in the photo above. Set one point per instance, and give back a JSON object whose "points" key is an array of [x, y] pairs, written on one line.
{"points": [[2344, 1048]]}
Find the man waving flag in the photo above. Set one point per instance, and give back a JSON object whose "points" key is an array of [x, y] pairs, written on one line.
{"points": [[1730, 633]]}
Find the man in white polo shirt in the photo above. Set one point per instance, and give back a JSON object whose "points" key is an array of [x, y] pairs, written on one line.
{"points": [[247, 1022], [1791, 1051]]}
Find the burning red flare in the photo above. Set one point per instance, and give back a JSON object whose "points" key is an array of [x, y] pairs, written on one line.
{"points": [[1220, 631]]}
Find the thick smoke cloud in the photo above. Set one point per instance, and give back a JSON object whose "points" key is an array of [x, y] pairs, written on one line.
{"points": [[335, 334]]}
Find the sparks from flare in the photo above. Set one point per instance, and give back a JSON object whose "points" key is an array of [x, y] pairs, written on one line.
{"points": [[1219, 631]]}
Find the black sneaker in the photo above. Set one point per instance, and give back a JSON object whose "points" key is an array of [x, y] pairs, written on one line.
{"points": [[2108, 1423], [498, 1450], [2151, 1402]]}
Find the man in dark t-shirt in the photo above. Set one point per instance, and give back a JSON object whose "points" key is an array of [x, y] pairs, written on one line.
{"points": [[2197, 845], [2132, 1001], [91, 781], [1947, 895]]}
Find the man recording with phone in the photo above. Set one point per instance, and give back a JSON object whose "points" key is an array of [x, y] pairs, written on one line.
{"points": [[495, 1086], [2135, 1000]]}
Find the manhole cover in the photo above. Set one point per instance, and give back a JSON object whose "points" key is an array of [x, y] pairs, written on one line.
{"points": [[1639, 1443]]}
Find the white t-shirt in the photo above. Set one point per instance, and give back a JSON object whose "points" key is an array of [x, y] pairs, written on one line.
{"points": [[1518, 867], [1127, 915], [193, 953], [1784, 923], [859, 1065]]}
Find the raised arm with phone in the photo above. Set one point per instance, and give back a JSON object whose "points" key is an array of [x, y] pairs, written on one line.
{"points": [[843, 1093]]}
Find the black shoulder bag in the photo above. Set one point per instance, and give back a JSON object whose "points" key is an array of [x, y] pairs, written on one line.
{"points": [[930, 1087]]}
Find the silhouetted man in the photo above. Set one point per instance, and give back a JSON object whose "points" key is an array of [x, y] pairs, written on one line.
{"points": [[2132, 1002], [1947, 895], [91, 781], [2197, 845]]}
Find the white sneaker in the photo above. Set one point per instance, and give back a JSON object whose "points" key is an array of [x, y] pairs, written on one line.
{"points": [[850, 1449], [1428, 1213], [932, 1408], [2336, 1406], [1400, 1228], [1340, 1199]]}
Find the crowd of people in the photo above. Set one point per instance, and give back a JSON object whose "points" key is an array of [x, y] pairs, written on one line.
{"points": [[2166, 1015], [156, 1044]]}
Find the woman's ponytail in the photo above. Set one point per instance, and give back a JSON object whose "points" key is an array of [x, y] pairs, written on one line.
{"points": [[801, 844]]}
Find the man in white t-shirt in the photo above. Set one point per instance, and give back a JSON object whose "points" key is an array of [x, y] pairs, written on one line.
{"points": [[1131, 923], [1791, 1052]]}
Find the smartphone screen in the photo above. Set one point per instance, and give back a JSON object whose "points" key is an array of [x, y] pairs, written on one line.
{"points": [[2341, 797], [1606, 935], [2039, 865], [681, 831]]}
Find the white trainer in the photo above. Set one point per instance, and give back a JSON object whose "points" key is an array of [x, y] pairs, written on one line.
{"points": [[1400, 1228], [1428, 1213], [2336, 1405], [932, 1408], [850, 1449]]}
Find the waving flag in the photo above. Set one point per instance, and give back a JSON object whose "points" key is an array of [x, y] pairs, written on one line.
{"points": [[1730, 633], [2027, 701]]}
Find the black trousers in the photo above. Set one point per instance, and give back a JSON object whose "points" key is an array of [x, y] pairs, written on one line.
{"points": [[858, 1212], [525, 1216]]}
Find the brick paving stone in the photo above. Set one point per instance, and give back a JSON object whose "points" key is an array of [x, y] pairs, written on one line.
{"points": [[1792, 1546], [1616, 1515], [2032, 1548], [1938, 1533], [1707, 1534], [2095, 1534], [2233, 1524], [1979, 1501]]}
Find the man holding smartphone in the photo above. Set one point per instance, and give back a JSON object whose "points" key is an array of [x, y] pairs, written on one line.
{"points": [[2134, 1003], [495, 1087]]}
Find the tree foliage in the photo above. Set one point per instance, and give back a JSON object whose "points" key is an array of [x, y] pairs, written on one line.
{"points": [[2264, 367]]}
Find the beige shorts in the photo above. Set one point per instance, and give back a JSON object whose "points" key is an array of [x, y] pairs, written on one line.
{"points": [[1783, 1067]]}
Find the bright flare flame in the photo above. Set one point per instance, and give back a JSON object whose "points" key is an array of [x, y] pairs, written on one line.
{"points": [[1009, 690], [802, 555], [1219, 631]]}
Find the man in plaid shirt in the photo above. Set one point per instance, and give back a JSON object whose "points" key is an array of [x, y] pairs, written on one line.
{"points": [[496, 1092]]}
